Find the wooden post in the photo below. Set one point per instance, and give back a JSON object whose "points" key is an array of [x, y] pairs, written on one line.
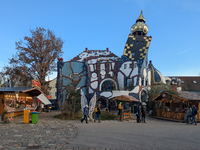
{"points": [[122, 112]]}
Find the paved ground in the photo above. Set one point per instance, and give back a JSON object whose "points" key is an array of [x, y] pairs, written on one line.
{"points": [[50, 133]]}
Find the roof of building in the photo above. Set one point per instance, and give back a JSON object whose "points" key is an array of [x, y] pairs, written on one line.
{"points": [[188, 95], [190, 83], [94, 54]]}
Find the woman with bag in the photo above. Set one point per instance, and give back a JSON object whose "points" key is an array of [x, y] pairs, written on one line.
{"points": [[98, 113]]}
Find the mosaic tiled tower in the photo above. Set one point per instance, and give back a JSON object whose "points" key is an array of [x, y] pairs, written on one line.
{"points": [[138, 42]]}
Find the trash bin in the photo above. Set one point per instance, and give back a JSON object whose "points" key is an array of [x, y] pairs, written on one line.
{"points": [[26, 115], [34, 116]]}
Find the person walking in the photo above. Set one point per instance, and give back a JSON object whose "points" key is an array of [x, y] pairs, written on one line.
{"points": [[85, 114], [194, 112], [138, 113], [143, 114], [98, 114], [188, 115]]}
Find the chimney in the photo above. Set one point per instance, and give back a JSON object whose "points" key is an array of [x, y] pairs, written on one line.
{"points": [[174, 88]]}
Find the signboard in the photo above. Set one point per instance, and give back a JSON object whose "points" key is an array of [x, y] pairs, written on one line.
{"points": [[35, 83], [49, 97]]}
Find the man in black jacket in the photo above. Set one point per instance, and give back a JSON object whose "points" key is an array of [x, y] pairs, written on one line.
{"points": [[138, 113], [194, 112]]}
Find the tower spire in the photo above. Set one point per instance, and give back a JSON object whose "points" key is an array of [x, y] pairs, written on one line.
{"points": [[141, 18]]}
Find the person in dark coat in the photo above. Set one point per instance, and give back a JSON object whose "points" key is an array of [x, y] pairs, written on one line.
{"points": [[143, 114], [138, 113], [85, 114], [194, 112], [98, 114]]}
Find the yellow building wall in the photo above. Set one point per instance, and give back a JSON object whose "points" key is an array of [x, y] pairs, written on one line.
{"points": [[53, 90]]}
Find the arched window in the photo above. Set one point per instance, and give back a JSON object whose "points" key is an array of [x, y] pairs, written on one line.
{"points": [[108, 85]]}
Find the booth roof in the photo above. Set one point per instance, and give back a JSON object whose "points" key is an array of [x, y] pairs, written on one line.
{"points": [[20, 89], [14, 89], [159, 97], [126, 98]]}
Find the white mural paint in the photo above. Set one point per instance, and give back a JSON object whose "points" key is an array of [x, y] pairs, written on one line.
{"points": [[135, 72], [144, 75], [91, 68], [111, 73], [135, 80], [135, 90], [94, 76], [102, 77], [113, 65], [149, 77], [90, 90], [125, 68], [106, 94], [94, 85], [119, 93], [120, 79], [102, 67]]}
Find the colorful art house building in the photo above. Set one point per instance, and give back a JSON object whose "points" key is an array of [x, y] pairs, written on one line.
{"points": [[104, 73]]}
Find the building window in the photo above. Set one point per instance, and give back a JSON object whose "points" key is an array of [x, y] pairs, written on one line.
{"points": [[132, 42], [133, 54], [130, 65], [135, 65], [137, 43], [108, 86], [129, 83], [195, 82], [142, 42], [125, 66]]}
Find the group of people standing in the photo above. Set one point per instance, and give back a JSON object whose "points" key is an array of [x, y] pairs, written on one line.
{"points": [[141, 114], [97, 111], [191, 114]]}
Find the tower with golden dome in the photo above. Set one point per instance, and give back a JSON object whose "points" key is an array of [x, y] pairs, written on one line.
{"points": [[138, 42]]}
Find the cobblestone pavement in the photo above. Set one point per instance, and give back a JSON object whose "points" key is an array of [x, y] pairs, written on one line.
{"points": [[48, 133]]}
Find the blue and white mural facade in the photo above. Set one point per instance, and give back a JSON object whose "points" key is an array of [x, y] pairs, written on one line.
{"points": [[107, 75]]}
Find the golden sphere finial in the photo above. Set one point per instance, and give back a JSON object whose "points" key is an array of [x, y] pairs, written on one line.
{"points": [[142, 10]]}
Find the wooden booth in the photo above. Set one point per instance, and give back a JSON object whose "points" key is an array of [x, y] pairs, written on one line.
{"points": [[173, 107], [125, 114], [14, 100]]}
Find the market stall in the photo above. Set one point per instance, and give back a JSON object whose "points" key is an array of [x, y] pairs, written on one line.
{"points": [[126, 100], [173, 107], [15, 99]]}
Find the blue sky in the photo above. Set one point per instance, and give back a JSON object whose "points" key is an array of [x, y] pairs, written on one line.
{"points": [[98, 24]]}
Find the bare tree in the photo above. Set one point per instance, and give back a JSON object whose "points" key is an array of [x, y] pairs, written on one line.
{"points": [[73, 101], [36, 56]]}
